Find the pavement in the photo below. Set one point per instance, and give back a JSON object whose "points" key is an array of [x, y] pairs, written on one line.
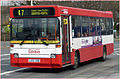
{"points": [[91, 69]]}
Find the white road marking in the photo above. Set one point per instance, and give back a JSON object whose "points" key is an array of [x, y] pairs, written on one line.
{"points": [[5, 55], [117, 53], [116, 49], [5, 64], [5, 59], [12, 71], [5, 46]]}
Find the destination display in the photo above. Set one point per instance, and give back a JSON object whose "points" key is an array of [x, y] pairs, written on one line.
{"points": [[30, 12]]}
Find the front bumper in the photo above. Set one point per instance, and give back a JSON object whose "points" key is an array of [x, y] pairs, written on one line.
{"points": [[44, 62]]}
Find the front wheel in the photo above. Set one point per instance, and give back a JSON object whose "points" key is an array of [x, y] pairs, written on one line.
{"points": [[76, 62]]}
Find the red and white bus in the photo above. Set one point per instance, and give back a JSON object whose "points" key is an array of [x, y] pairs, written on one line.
{"points": [[51, 36]]}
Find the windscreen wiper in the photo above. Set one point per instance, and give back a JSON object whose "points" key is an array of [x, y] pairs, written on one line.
{"points": [[25, 38], [45, 43]]}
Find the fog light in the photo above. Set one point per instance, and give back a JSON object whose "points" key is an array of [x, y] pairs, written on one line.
{"points": [[53, 55], [58, 46], [16, 55], [11, 45]]}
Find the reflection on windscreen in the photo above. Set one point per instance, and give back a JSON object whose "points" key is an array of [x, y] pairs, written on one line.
{"points": [[35, 29]]}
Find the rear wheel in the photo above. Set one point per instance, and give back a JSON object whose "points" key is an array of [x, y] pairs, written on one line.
{"points": [[103, 58], [76, 62]]}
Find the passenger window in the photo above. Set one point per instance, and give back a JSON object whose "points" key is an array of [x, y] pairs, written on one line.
{"points": [[85, 26], [111, 26], [76, 26], [98, 32], [93, 25], [103, 26], [107, 26]]}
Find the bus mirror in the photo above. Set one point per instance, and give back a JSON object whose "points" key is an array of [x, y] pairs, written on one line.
{"points": [[9, 22]]}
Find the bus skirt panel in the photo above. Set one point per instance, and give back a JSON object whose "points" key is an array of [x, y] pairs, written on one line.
{"points": [[110, 48], [42, 62], [91, 53]]}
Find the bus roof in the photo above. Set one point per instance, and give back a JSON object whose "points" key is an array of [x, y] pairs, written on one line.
{"points": [[63, 10]]}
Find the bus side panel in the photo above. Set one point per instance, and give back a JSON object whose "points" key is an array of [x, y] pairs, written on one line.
{"points": [[108, 41], [57, 62], [110, 48], [90, 53], [14, 61], [72, 56]]}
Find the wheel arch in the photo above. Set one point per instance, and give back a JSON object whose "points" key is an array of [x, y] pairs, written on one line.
{"points": [[78, 54], [104, 46]]}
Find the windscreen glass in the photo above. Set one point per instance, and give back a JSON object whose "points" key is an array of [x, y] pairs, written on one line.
{"points": [[35, 29]]}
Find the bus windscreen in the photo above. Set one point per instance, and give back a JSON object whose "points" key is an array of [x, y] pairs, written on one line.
{"points": [[35, 29]]}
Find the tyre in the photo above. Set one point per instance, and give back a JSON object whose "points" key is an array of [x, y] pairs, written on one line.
{"points": [[76, 62], [103, 58]]}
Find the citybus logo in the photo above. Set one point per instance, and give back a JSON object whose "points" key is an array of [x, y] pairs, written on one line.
{"points": [[34, 50]]}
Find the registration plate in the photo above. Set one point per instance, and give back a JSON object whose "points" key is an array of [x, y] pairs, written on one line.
{"points": [[34, 60]]}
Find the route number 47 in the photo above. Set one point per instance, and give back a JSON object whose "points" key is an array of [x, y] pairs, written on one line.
{"points": [[20, 12]]}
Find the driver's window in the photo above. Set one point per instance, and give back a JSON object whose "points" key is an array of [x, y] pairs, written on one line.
{"points": [[44, 25]]}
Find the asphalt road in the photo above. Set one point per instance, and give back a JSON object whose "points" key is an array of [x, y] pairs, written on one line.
{"points": [[91, 69]]}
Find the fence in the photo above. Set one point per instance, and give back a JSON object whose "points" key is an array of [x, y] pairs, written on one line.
{"points": [[5, 37]]}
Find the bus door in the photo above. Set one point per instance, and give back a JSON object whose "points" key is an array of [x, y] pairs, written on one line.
{"points": [[65, 39]]}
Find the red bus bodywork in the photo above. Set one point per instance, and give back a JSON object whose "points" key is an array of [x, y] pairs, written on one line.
{"points": [[59, 10]]}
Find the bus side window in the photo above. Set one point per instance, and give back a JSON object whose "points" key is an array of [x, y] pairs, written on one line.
{"points": [[76, 28], [85, 26], [111, 26], [77, 31], [85, 31], [103, 26], [98, 32], [93, 26], [73, 26], [107, 26]]}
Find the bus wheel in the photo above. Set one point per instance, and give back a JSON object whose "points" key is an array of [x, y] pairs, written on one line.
{"points": [[76, 62], [103, 58]]}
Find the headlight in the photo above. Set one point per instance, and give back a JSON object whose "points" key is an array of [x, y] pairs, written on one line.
{"points": [[53, 55], [16, 55]]}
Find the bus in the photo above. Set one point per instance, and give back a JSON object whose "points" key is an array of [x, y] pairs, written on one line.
{"points": [[52, 36]]}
